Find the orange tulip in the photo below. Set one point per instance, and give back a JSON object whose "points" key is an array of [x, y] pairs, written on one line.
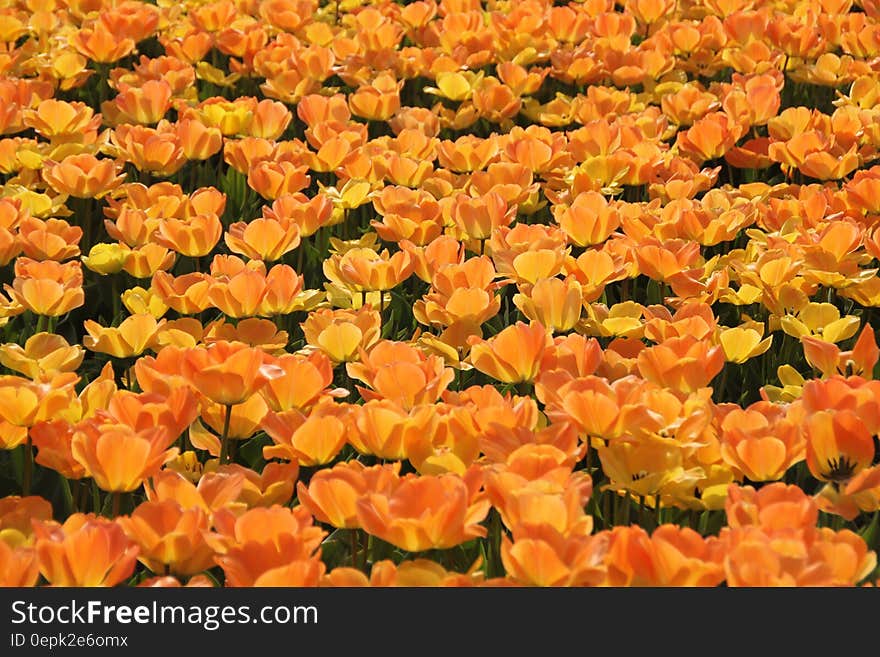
{"points": [[169, 537], [671, 556], [308, 214], [333, 493], [156, 150], [18, 566], [272, 180], [227, 373], [513, 355], [422, 513], [710, 137], [303, 382], [134, 335], [400, 373], [141, 411], [43, 356], [244, 418], [589, 220], [761, 441], [342, 334], [118, 457], [269, 547], [62, 122], [685, 364], [83, 176], [47, 288], [542, 556], [84, 551], [552, 302], [365, 270], [477, 217], [313, 439], [146, 104], [263, 239], [194, 236], [377, 101], [839, 445]]}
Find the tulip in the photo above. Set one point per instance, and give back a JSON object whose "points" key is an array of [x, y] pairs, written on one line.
{"points": [[118, 457], [422, 513], [84, 551], [170, 538], [513, 355]]}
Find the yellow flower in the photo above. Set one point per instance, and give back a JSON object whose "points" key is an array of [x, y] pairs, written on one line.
{"points": [[106, 258], [130, 338], [820, 320], [139, 301], [740, 344]]}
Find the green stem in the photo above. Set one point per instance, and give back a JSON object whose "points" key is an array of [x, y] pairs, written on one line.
{"points": [[352, 537], [224, 439], [28, 466], [117, 503]]}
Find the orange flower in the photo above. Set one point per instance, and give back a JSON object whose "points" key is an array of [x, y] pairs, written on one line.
{"points": [[227, 373], [685, 364], [146, 104], [263, 239], [407, 214], [303, 382], [141, 411], [671, 556], [244, 421], [400, 373], [377, 101], [661, 261], [308, 214], [333, 493], [513, 355], [342, 334], [195, 236], [422, 513], [101, 45], [274, 485], [710, 137], [589, 220], [468, 152], [157, 150], [47, 288], [83, 176], [554, 303], [273, 546], [761, 441], [445, 439], [170, 536], [134, 335], [118, 457], [198, 141], [313, 439], [18, 566], [366, 270], [272, 180], [536, 486], [61, 122], [476, 217], [495, 101], [86, 550], [838, 445], [187, 294], [542, 556], [43, 356], [251, 291]]}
